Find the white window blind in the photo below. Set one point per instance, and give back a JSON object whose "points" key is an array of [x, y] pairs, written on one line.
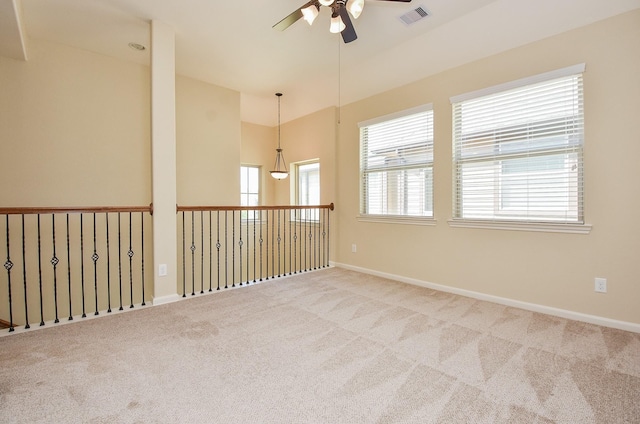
{"points": [[518, 152], [396, 164]]}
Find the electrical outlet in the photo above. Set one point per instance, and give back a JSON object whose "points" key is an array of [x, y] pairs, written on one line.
{"points": [[354, 248], [601, 285], [162, 270]]}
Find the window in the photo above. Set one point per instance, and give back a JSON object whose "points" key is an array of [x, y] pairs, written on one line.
{"points": [[517, 150], [308, 188], [249, 189], [396, 164]]}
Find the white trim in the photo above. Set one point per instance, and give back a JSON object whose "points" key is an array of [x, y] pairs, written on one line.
{"points": [[161, 300], [397, 219], [395, 115], [546, 227], [547, 76], [562, 313]]}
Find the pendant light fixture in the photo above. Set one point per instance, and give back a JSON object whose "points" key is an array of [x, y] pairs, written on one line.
{"points": [[280, 168]]}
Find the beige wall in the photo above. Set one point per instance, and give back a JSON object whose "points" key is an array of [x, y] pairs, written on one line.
{"points": [[74, 129], [555, 270], [208, 143], [258, 149]]}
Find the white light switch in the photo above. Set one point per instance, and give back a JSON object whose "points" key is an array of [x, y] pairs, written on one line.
{"points": [[162, 270]]}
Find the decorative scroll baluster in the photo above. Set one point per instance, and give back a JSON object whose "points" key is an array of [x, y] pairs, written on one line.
{"points": [[279, 239], [218, 245], [201, 253], [8, 265], [240, 242], [106, 217], [130, 254], [226, 252], [316, 227], [267, 247], [95, 258], [193, 251], [210, 255], [54, 262], [248, 248]]}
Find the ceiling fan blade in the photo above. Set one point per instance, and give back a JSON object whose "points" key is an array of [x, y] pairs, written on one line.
{"points": [[292, 17], [349, 32]]}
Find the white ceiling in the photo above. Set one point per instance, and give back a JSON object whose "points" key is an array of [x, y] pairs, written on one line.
{"points": [[231, 43]]}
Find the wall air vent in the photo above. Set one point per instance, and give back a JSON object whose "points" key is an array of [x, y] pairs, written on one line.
{"points": [[413, 16]]}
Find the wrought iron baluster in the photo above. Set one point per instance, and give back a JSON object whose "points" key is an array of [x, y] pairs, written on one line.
{"points": [[261, 239], [142, 253], [120, 261], [267, 249], [218, 245], [24, 277], [40, 276], [130, 253], [295, 241], [290, 243], [8, 265], [106, 216], [54, 262], [316, 227], [328, 235], [306, 221], [248, 243], [184, 275], [324, 233], [201, 253], [254, 246], [84, 312], [210, 255], [278, 239], [193, 251], [273, 243], [69, 270], [226, 252], [240, 242], [95, 258]]}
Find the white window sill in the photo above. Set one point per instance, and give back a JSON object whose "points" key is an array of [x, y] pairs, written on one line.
{"points": [[547, 227], [397, 219]]}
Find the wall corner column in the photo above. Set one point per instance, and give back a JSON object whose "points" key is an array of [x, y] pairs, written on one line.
{"points": [[163, 161]]}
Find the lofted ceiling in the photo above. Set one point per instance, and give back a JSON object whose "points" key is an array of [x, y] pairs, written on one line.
{"points": [[231, 43]]}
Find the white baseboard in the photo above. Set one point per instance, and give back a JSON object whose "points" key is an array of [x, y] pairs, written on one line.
{"points": [[563, 313], [165, 299]]}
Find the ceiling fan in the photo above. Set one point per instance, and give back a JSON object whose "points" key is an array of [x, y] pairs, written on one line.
{"points": [[340, 11]]}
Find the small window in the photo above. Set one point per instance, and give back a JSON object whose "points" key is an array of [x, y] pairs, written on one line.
{"points": [[517, 150], [308, 188], [249, 189], [396, 164]]}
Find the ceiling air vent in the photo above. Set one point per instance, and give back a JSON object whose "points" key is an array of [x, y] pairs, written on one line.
{"points": [[414, 15]]}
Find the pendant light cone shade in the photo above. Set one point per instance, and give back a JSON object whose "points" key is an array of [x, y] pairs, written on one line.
{"points": [[326, 2], [355, 7], [310, 13], [336, 24], [280, 168]]}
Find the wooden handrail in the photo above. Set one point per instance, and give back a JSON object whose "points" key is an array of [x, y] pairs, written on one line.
{"points": [[250, 208], [75, 209]]}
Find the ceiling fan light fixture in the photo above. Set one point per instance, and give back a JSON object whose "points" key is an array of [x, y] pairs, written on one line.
{"points": [[355, 7], [336, 24], [310, 13], [326, 2]]}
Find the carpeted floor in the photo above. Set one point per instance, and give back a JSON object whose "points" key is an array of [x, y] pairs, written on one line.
{"points": [[332, 346]]}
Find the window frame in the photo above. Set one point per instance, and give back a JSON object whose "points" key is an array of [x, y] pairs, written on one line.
{"points": [[427, 165], [309, 215], [507, 220], [250, 215]]}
